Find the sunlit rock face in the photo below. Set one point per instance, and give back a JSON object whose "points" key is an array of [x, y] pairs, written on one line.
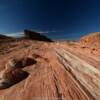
{"points": [[92, 39]]}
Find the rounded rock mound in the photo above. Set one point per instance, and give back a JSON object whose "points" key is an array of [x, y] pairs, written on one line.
{"points": [[92, 39]]}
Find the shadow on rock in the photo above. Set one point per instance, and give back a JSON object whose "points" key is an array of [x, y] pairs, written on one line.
{"points": [[29, 61], [12, 77], [20, 63]]}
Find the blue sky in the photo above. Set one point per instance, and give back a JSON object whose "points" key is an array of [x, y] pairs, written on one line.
{"points": [[59, 19]]}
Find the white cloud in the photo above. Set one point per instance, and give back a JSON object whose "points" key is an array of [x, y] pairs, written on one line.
{"points": [[18, 34], [46, 31]]}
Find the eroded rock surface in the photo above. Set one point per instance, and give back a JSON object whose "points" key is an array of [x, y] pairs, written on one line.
{"points": [[72, 76]]}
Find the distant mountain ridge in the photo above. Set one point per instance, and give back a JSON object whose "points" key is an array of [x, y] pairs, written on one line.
{"points": [[4, 37]]}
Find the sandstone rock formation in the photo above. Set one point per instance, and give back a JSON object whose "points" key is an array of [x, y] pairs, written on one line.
{"points": [[11, 77], [20, 62], [57, 71], [13, 73], [92, 39], [35, 36]]}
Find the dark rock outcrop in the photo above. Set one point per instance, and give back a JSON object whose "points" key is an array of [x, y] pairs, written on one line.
{"points": [[35, 36], [6, 39]]}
